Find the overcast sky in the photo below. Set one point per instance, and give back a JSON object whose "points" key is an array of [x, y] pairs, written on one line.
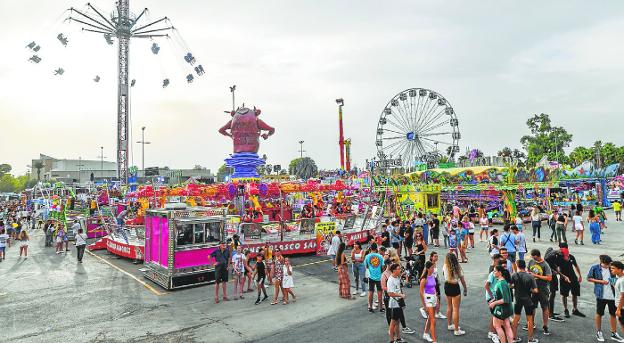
{"points": [[497, 62]]}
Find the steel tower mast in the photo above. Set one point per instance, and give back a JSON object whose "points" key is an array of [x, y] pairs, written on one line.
{"points": [[122, 25]]}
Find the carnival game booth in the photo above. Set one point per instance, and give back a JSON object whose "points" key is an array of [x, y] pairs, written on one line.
{"points": [[405, 196], [178, 244], [509, 189], [585, 184], [302, 236]]}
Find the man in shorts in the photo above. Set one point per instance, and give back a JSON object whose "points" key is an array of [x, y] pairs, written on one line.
{"points": [[569, 281], [600, 275], [374, 263], [540, 270], [617, 207], [508, 240], [554, 259], [524, 287], [617, 269], [223, 260]]}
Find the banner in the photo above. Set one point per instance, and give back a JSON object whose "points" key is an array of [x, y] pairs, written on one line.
{"points": [[324, 232], [287, 247], [122, 249]]}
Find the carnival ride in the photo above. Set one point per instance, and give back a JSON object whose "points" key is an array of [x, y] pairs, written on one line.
{"points": [[123, 25], [417, 125]]}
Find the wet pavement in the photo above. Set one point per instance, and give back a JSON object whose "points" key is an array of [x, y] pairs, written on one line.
{"points": [[52, 298]]}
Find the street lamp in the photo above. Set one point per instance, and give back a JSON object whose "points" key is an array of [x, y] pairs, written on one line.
{"points": [[102, 157], [79, 165], [301, 151], [143, 142]]}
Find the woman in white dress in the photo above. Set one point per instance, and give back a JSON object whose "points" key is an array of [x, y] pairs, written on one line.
{"points": [[288, 282]]}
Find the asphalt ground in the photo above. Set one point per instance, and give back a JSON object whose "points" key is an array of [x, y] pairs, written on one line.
{"points": [[52, 298]]}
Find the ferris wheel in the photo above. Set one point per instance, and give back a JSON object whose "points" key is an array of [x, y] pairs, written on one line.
{"points": [[417, 125]]}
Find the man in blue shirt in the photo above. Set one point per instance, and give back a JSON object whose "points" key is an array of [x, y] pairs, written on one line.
{"points": [[508, 240], [374, 263], [223, 260], [602, 278]]}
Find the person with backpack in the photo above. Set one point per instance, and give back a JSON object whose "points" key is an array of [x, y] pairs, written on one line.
{"points": [[520, 242], [508, 240]]}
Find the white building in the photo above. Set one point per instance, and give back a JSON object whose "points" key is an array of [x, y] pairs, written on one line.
{"points": [[73, 170]]}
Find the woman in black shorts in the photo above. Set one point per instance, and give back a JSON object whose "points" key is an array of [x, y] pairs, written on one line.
{"points": [[453, 275]]}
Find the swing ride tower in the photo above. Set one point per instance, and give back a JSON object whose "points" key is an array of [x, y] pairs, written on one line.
{"points": [[123, 25]]}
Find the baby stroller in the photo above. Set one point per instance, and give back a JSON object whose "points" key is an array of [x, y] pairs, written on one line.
{"points": [[410, 272]]}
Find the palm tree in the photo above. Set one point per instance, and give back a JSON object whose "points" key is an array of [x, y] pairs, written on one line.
{"points": [[38, 165]]}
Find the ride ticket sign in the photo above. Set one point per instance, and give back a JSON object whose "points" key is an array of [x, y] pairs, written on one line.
{"points": [[325, 227]]}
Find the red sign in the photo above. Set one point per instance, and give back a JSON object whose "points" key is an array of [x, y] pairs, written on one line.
{"points": [[122, 249], [359, 236], [287, 247]]}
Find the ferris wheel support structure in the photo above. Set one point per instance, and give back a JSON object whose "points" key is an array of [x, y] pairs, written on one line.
{"points": [[121, 25]]}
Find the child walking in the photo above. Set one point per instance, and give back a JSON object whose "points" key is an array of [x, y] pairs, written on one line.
{"points": [[260, 275]]}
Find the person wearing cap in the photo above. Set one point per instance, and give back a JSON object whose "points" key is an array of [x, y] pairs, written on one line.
{"points": [[569, 281], [222, 262]]}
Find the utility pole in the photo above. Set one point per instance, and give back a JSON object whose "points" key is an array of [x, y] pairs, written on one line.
{"points": [[301, 151], [143, 142], [232, 90], [340, 103]]}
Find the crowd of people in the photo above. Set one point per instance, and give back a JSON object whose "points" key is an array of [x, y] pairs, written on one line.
{"points": [[17, 222], [519, 279], [271, 268]]}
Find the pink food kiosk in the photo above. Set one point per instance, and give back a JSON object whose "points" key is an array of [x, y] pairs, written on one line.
{"points": [[178, 244]]}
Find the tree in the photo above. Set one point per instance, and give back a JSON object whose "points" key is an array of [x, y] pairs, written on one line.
{"points": [[545, 139], [7, 183], [291, 166], [303, 168], [580, 154], [223, 172], [198, 167], [38, 165], [5, 168], [505, 152], [515, 154]]}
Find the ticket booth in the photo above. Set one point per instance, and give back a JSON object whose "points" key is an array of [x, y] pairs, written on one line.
{"points": [[178, 244]]}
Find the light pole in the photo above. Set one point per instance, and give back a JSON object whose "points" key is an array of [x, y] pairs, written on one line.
{"points": [[143, 142], [232, 89], [80, 165], [340, 103], [102, 157], [301, 151]]}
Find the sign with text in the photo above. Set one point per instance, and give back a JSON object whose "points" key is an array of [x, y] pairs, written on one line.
{"points": [[325, 227]]}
